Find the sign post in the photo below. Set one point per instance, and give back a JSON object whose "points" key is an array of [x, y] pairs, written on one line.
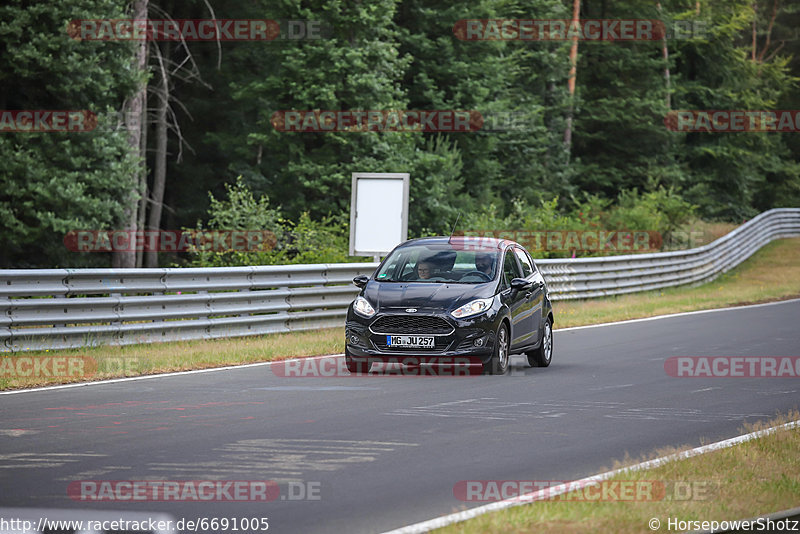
{"points": [[378, 213]]}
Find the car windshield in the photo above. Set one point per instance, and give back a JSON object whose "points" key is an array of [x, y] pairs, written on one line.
{"points": [[437, 263]]}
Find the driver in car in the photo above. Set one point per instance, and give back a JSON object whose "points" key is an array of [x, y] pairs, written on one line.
{"points": [[425, 270], [484, 263]]}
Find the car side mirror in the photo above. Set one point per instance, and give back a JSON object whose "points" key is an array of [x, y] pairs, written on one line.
{"points": [[361, 280], [520, 284]]}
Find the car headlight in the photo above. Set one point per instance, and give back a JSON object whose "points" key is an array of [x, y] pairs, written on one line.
{"points": [[362, 307], [473, 308]]}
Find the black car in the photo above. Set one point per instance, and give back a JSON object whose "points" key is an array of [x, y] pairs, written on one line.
{"points": [[446, 299]]}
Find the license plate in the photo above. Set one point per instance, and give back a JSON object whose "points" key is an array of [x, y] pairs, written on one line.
{"points": [[410, 341]]}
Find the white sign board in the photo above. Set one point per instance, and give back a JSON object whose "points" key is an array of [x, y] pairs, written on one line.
{"points": [[378, 212]]}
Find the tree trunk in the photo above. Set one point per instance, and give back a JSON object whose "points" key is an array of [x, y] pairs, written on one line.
{"points": [[121, 259], [768, 39], [573, 71], [160, 158], [549, 120], [665, 55], [753, 46], [143, 180]]}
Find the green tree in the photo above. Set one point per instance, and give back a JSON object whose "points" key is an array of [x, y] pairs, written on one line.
{"points": [[51, 183], [357, 67], [730, 171], [513, 84], [620, 141], [304, 241]]}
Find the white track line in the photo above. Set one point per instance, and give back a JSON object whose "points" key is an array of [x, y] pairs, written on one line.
{"points": [[229, 367], [549, 493]]}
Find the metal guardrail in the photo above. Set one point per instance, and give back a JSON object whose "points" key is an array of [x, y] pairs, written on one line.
{"points": [[581, 278], [68, 308]]}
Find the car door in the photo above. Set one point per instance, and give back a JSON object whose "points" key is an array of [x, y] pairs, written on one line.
{"points": [[534, 297], [515, 300]]}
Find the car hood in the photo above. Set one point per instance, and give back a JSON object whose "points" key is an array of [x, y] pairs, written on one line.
{"points": [[444, 296]]}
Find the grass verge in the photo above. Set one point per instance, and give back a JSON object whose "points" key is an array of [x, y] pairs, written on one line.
{"points": [[746, 480], [773, 273]]}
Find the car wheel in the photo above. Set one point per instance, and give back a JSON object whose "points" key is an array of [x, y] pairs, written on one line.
{"points": [[356, 367], [498, 365], [542, 356]]}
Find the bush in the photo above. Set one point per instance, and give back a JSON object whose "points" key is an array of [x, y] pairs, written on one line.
{"points": [[304, 241], [661, 210]]}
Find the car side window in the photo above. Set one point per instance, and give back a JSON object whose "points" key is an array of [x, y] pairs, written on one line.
{"points": [[525, 261], [510, 269]]}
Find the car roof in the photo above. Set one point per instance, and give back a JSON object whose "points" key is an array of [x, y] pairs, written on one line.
{"points": [[473, 243]]}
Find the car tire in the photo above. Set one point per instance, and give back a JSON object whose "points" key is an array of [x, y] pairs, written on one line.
{"points": [[356, 367], [542, 356], [498, 364]]}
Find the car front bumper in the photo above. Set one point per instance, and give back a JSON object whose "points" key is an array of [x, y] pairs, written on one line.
{"points": [[472, 340]]}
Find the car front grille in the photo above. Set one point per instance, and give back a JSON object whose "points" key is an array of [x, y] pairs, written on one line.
{"points": [[412, 324]]}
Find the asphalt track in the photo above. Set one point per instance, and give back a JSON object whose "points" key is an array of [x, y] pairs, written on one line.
{"points": [[387, 451]]}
